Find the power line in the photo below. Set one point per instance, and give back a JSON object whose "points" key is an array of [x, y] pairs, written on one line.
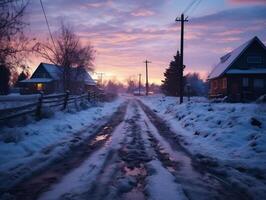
{"points": [[194, 7], [189, 6], [46, 20]]}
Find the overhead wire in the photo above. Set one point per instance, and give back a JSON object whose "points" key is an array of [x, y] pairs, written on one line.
{"points": [[194, 7], [189, 6], [47, 23]]}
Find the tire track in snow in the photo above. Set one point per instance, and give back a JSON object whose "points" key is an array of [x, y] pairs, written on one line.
{"points": [[196, 180]]}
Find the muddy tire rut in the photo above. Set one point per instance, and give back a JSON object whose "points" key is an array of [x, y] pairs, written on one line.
{"points": [[31, 187]]}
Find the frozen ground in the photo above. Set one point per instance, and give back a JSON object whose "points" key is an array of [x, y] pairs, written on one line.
{"points": [[233, 135]]}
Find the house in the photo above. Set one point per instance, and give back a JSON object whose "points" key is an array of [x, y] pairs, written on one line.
{"points": [[49, 79], [241, 74]]}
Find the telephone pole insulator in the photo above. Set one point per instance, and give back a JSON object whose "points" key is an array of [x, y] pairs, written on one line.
{"points": [[181, 64]]}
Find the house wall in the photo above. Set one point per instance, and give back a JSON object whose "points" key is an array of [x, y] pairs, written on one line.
{"points": [[237, 89], [218, 87], [31, 88], [245, 88]]}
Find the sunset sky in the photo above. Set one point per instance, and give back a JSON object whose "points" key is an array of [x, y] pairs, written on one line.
{"points": [[127, 32]]}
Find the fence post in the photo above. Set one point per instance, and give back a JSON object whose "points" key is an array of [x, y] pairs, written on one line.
{"points": [[65, 100], [39, 107]]}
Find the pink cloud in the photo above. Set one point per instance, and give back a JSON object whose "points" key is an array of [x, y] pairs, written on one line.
{"points": [[142, 13], [248, 1]]}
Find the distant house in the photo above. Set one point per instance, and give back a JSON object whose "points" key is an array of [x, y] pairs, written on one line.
{"points": [[49, 79], [241, 74]]}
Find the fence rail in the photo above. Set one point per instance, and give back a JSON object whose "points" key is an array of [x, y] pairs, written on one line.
{"points": [[57, 100]]}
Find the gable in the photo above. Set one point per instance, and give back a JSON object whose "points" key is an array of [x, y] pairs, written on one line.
{"points": [[252, 58], [55, 71], [232, 59], [40, 72]]}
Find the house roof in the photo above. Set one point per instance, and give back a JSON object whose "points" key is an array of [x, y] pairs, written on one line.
{"points": [[37, 80], [81, 74], [54, 71], [228, 59]]}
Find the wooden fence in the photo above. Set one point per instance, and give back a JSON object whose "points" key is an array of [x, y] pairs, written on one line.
{"points": [[60, 101]]}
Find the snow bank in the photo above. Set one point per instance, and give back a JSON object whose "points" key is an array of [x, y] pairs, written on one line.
{"points": [[232, 133]]}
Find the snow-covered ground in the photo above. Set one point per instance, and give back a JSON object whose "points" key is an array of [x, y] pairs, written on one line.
{"points": [[16, 100], [139, 157], [29, 148], [232, 134]]}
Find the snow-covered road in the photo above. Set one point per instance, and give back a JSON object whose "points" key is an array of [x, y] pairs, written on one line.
{"points": [[133, 156]]}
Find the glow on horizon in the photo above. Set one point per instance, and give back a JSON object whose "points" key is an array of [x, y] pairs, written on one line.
{"points": [[125, 33]]}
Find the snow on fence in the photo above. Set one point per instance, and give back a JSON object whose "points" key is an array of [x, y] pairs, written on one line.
{"points": [[35, 108]]}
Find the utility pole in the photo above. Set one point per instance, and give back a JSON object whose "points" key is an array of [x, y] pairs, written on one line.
{"points": [[182, 20], [139, 83], [147, 81], [101, 78]]}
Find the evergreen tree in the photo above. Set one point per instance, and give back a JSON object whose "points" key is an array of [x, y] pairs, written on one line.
{"points": [[171, 83], [4, 79], [22, 76]]}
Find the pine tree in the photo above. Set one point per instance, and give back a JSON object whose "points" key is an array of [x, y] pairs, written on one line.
{"points": [[22, 76], [4, 79], [171, 83]]}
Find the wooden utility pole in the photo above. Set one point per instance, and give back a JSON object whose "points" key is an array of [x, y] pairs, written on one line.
{"points": [[181, 66], [100, 74], [139, 83], [147, 81]]}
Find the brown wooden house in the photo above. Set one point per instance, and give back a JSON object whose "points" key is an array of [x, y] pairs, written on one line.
{"points": [[241, 74], [48, 78]]}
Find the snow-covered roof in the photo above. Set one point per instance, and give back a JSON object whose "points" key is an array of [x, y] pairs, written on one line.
{"points": [[80, 74], [37, 80], [227, 60], [54, 71], [247, 71]]}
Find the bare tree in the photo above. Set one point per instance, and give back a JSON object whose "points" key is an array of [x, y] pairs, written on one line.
{"points": [[132, 84], [67, 51], [12, 39]]}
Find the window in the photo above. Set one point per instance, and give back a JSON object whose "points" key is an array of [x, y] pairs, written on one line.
{"points": [[258, 83], [224, 83], [254, 59], [245, 82], [40, 86]]}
